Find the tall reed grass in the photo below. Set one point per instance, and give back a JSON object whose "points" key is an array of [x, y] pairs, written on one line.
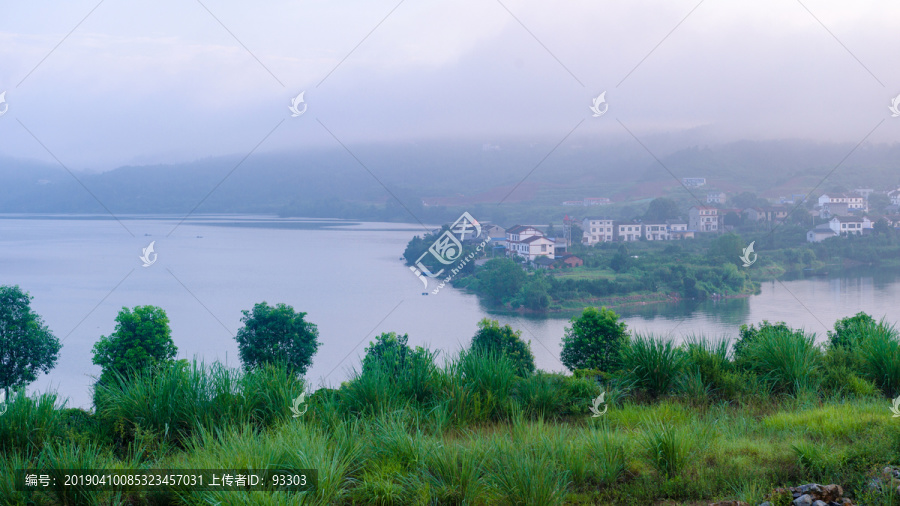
{"points": [[879, 346], [177, 400], [30, 422], [652, 363], [787, 359]]}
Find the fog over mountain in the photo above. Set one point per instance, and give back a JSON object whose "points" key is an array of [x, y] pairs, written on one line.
{"points": [[332, 183]]}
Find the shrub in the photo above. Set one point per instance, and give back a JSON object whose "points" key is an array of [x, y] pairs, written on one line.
{"points": [[846, 330], [653, 364], [277, 334], [749, 333], [392, 375], [842, 380], [491, 337], [554, 395], [787, 359], [594, 340]]}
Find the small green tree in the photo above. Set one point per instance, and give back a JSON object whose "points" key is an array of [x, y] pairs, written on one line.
{"points": [[142, 339], [389, 350], [277, 335], [27, 346], [594, 340], [492, 338], [534, 293], [501, 278], [407, 371]]}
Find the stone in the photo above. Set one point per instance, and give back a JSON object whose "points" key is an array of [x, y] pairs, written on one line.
{"points": [[767, 503], [831, 493], [819, 503], [813, 489], [803, 500], [729, 503]]}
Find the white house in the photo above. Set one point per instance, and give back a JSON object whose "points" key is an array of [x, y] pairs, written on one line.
{"points": [[597, 230], [628, 231], [528, 242], [703, 219], [849, 224], [678, 230], [655, 231]]}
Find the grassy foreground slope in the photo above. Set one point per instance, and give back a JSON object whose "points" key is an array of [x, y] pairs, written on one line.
{"points": [[685, 424]]}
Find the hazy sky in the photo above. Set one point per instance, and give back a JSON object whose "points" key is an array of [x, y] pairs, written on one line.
{"points": [[167, 81]]}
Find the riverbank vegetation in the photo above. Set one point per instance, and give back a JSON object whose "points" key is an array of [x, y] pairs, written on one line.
{"points": [[680, 422], [616, 274]]}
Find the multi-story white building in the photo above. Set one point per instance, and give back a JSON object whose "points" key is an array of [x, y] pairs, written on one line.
{"points": [[528, 242], [655, 231], [597, 230], [628, 231], [678, 230], [852, 201], [703, 219]]}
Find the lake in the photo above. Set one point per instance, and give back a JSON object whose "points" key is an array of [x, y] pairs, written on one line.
{"points": [[347, 276]]}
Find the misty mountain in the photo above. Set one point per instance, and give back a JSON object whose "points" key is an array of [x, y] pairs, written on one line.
{"points": [[336, 183]]}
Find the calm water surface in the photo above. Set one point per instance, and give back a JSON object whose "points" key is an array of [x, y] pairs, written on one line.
{"points": [[346, 275]]}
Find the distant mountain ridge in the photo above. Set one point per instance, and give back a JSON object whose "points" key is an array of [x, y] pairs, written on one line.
{"points": [[331, 182]]}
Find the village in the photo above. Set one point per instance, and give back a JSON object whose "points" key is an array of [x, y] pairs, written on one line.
{"points": [[831, 215]]}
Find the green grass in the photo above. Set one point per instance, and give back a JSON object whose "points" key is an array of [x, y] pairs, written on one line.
{"points": [[685, 425]]}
